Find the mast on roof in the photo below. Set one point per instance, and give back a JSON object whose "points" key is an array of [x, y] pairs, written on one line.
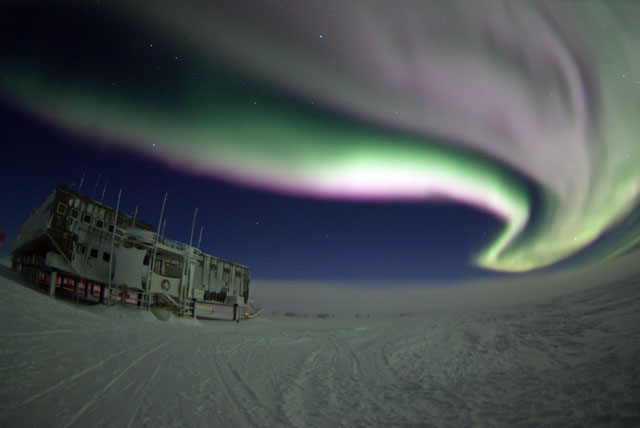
{"points": [[200, 239], [113, 237], [193, 225], [135, 214], [104, 190], [82, 180], [93, 194]]}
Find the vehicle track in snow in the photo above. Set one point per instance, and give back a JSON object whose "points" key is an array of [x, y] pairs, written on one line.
{"points": [[295, 404], [94, 364], [143, 392], [226, 384], [557, 363], [66, 383], [336, 385], [95, 399]]}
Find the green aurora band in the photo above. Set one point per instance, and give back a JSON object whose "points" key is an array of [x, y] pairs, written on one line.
{"points": [[247, 101]]}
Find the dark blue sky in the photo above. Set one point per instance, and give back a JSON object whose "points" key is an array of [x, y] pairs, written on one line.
{"points": [[278, 236], [326, 99]]}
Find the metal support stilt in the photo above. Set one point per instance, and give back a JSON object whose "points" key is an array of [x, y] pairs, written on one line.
{"points": [[52, 283]]}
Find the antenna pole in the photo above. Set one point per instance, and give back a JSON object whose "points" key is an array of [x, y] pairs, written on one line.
{"points": [[187, 268], [200, 239], [82, 180], [104, 190], [113, 237], [155, 246], [193, 225], [135, 214], [93, 194]]}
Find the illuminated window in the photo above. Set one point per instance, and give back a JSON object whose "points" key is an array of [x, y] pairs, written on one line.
{"points": [[99, 224], [74, 213], [86, 219], [62, 208]]}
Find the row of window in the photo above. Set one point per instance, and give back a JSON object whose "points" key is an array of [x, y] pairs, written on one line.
{"points": [[86, 218], [226, 271], [94, 252]]}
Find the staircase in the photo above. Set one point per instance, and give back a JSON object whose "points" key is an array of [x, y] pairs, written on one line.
{"points": [[182, 309], [144, 301]]}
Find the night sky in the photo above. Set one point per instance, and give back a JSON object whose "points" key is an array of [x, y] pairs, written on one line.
{"points": [[341, 141]]}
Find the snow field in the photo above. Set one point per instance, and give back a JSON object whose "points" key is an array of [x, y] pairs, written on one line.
{"points": [[571, 361]]}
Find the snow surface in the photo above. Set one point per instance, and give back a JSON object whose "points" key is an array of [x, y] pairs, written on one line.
{"points": [[569, 362]]}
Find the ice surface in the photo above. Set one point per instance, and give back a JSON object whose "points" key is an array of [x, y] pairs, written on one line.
{"points": [[568, 362]]}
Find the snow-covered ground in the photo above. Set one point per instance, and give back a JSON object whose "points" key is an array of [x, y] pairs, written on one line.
{"points": [[573, 361]]}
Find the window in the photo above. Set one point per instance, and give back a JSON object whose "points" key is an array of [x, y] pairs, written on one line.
{"points": [[99, 224], [106, 257], [86, 219], [110, 228], [94, 253], [62, 208], [74, 213], [82, 249]]}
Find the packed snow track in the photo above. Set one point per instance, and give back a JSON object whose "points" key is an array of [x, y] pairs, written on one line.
{"points": [[568, 362]]}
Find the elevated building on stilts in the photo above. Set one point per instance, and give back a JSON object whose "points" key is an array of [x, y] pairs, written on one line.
{"points": [[84, 249]]}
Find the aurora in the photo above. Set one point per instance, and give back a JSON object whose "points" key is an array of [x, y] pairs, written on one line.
{"points": [[528, 111]]}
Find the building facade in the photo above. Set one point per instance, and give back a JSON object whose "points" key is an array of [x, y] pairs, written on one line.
{"points": [[83, 248]]}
